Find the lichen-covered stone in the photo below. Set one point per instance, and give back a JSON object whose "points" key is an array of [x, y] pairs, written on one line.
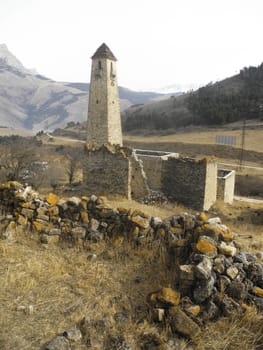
{"points": [[168, 296], [52, 199], [207, 246], [258, 291], [140, 221]]}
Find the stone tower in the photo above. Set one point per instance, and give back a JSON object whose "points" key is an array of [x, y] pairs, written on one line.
{"points": [[104, 121]]}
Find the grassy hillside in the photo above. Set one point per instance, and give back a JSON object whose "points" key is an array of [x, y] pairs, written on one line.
{"points": [[236, 98]]}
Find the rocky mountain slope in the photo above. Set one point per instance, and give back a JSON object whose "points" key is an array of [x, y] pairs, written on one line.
{"points": [[34, 102]]}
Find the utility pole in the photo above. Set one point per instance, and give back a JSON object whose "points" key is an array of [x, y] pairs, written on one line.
{"points": [[242, 144]]}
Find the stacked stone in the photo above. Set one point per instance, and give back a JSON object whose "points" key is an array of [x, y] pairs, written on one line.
{"points": [[212, 277]]}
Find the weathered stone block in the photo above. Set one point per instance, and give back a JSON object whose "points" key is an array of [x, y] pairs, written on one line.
{"points": [[227, 250], [203, 269], [183, 324]]}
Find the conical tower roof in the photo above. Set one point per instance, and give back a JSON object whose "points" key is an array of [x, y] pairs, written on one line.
{"points": [[104, 52]]}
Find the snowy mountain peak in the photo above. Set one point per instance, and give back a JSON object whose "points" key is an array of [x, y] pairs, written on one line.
{"points": [[9, 58]]}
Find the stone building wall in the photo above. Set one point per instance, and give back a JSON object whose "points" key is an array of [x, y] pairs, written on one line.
{"points": [[114, 170], [106, 172], [139, 182], [226, 185], [190, 182], [153, 170]]}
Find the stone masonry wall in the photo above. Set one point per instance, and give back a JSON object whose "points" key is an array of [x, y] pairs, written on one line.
{"points": [[114, 170], [107, 172], [139, 180], [185, 180], [153, 170]]}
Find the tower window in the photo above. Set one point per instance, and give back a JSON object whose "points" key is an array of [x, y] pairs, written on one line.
{"points": [[97, 101], [100, 65], [112, 73]]}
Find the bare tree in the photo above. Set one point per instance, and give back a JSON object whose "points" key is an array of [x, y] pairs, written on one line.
{"points": [[17, 155], [73, 161]]}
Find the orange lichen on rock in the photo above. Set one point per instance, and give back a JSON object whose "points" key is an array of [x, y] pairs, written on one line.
{"points": [[258, 291], [52, 199], [206, 246], [169, 296], [203, 217]]}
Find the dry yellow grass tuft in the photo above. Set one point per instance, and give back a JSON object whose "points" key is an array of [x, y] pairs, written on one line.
{"points": [[244, 332]]}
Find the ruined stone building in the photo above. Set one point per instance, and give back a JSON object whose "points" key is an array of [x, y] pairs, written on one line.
{"points": [[111, 168]]}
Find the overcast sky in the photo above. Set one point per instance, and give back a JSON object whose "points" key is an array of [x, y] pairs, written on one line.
{"points": [[157, 42]]}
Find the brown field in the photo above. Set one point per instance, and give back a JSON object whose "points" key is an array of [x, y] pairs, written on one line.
{"points": [[253, 136]]}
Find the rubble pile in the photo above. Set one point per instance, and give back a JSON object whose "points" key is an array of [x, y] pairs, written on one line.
{"points": [[212, 276]]}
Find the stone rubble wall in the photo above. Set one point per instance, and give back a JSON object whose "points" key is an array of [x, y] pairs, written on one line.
{"points": [[213, 277]]}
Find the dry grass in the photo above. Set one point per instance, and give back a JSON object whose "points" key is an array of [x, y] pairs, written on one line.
{"points": [[244, 332], [244, 219], [253, 138], [64, 284], [161, 210]]}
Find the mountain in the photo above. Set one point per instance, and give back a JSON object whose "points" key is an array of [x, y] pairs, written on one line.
{"points": [[233, 99], [32, 101]]}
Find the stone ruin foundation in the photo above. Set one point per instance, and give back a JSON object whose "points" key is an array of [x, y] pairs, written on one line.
{"points": [[136, 173], [213, 277]]}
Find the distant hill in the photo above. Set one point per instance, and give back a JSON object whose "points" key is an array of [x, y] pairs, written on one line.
{"points": [[229, 100], [29, 100]]}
